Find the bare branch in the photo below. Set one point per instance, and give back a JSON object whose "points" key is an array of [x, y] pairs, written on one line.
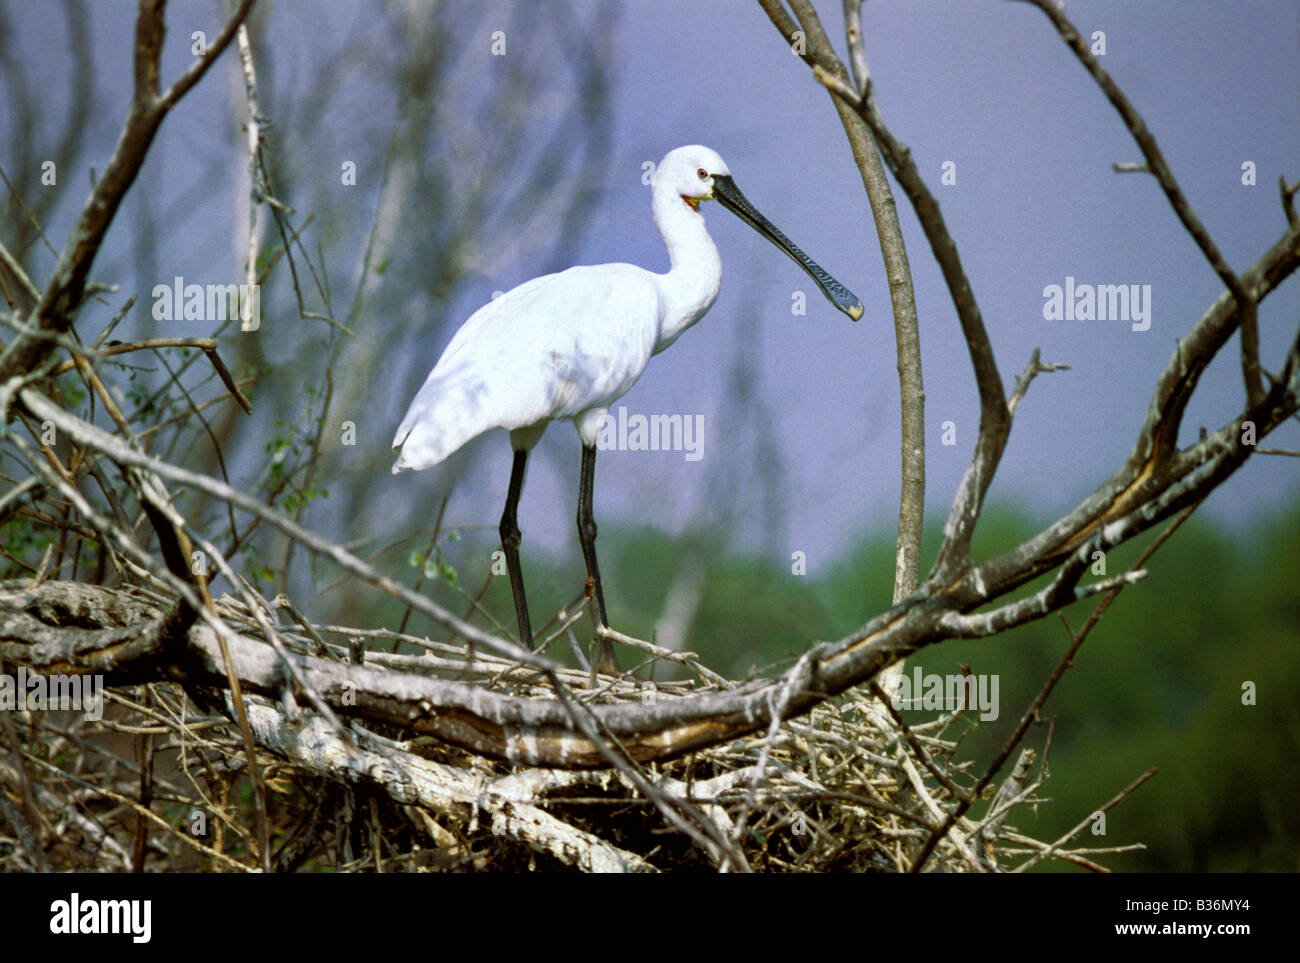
{"points": [[1288, 200], [67, 286], [194, 73], [911, 509], [1032, 371], [857, 53], [207, 345], [1159, 167], [1106, 807], [1056, 596], [954, 556]]}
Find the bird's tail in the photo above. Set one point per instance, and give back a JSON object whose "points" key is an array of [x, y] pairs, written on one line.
{"points": [[442, 417]]}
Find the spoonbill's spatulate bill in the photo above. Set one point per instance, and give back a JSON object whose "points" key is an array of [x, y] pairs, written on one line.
{"points": [[569, 345]]}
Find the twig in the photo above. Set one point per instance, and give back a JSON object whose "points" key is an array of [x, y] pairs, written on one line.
{"points": [[1083, 824], [1164, 175]]}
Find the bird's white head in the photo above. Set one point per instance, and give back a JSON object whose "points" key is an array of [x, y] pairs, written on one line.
{"points": [[688, 173]]}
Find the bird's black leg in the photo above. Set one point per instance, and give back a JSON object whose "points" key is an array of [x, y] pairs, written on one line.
{"points": [[606, 662], [510, 538]]}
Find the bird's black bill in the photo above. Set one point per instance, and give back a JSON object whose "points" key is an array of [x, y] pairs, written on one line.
{"points": [[726, 191]]}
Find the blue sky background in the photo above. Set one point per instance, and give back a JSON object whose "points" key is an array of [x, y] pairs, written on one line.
{"points": [[985, 85]]}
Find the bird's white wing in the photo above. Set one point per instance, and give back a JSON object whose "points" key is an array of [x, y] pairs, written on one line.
{"points": [[551, 348]]}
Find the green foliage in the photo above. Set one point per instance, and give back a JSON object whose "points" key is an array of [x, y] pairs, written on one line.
{"points": [[304, 496], [22, 539], [282, 444], [434, 567], [254, 566], [288, 447], [73, 391]]}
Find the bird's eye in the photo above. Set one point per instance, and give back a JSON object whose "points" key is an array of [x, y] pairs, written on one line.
{"points": [[704, 175]]}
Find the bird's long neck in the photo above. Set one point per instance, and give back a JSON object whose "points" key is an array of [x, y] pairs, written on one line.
{"points": [[691, 285]]}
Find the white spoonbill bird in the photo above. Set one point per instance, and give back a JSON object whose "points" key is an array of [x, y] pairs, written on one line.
{"points": [[569, 345]]}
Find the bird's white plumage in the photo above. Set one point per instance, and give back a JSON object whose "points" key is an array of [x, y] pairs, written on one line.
{"points": [[515, 364], [568, 345]]}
